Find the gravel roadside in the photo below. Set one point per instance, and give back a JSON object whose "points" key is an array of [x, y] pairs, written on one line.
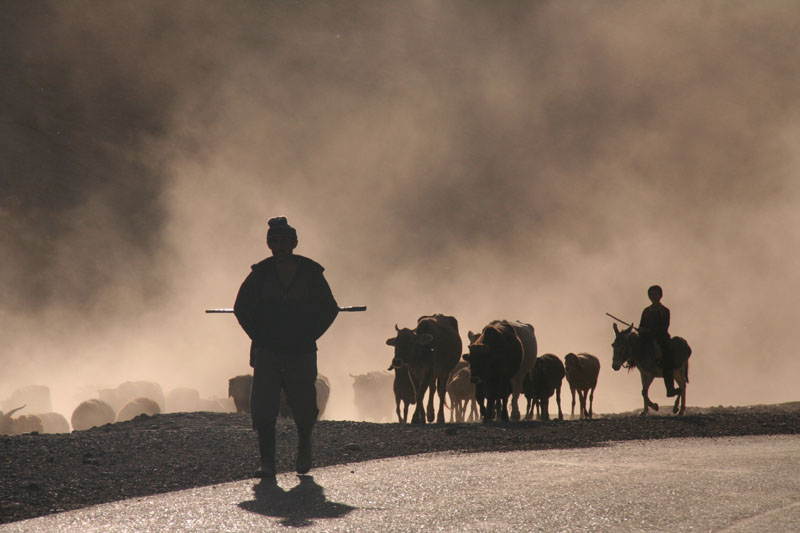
{"points": [[42, 474]]}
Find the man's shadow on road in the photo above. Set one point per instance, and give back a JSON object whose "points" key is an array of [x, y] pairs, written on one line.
{"points": [[297, 506]]}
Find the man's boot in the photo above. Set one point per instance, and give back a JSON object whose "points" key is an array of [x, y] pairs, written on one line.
{"points": [[266, 448], [303, 463], [669, 381]]}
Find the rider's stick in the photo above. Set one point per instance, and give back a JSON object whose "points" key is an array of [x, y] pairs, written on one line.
{"points": [[622, 321]]}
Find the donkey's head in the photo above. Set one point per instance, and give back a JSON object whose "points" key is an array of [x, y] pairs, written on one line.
{"points": [[623, 346]]}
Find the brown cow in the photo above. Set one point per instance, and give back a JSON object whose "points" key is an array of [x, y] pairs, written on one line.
{"points": [[582, 371], [544, 378], [499, 359], [430, 352]]}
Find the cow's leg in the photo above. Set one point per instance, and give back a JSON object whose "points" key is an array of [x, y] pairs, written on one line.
{"points": [[453, 411], [647, 379], [405, 412], [397, 410], [516, 390], [441, 386], [490, 405], [515, 414], [431, 394], [545, 408], [558, 401], [591, 401], [572, 391], [419, 412], [582, 403], [504, 409]]}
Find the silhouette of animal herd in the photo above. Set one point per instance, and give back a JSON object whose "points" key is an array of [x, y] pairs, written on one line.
{"points": [[499, 366]]}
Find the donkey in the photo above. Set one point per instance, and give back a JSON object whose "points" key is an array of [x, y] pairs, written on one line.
{"points": [[629, 352]]}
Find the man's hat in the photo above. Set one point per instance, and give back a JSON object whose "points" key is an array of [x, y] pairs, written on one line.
{"points": [[280, 226]]}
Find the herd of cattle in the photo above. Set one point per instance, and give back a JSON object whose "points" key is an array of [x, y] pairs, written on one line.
{"points": [[500, 365]]}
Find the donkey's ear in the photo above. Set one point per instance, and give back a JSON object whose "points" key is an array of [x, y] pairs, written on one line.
{"points": [[616, 329]]}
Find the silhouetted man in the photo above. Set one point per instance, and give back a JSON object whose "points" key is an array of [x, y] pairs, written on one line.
{"points": [[654, 326], [284, 305]]}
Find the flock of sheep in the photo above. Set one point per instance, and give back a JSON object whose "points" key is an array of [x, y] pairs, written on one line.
{"points": [[119, 404]]}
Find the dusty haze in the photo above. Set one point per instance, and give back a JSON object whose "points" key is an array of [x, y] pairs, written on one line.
{"points": [[543, 162]]}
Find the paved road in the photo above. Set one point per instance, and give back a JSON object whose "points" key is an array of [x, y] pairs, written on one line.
{"points": [[731, 484]]}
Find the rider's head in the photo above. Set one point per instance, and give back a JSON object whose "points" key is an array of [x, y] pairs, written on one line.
{"points": [[655, 293]]}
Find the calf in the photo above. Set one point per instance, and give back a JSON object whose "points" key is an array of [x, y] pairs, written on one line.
{"points": [[461, 391], [582, 371], [544, 378], [404, 392]]}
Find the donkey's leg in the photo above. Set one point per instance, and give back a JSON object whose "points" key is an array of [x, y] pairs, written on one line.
{"points": [[647, 379], [680, 377]]}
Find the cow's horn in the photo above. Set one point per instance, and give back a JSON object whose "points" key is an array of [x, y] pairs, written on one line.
{"points": [[396, 328]]}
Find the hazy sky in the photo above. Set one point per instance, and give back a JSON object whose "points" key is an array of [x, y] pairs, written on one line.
{"points": [[543, 162]]}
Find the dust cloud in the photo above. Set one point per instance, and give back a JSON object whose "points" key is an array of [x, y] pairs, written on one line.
{"points": [[543, 162]]}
